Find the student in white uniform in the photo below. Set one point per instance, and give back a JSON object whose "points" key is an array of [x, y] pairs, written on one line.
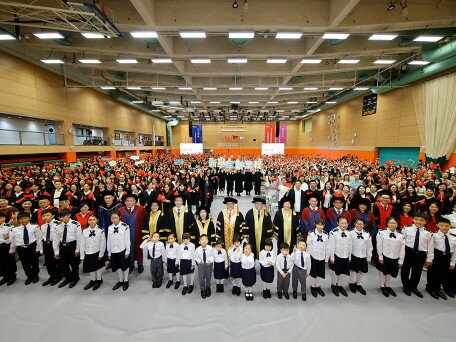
{"points": [[220, 265], [360, 257], [319, 250], [155, 252], [248, 271], [340, 254], [267, 261], [284, 264], [301, 269], [92, 250], [172, 247], [186, 261], [8, 266], [47, 233], [234, 254], [204, 259]]}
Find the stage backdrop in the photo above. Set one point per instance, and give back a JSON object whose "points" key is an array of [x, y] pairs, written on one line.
{"points": [[269, 133]]}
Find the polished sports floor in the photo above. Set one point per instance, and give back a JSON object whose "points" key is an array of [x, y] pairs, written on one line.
{"points": [[36, 313]]}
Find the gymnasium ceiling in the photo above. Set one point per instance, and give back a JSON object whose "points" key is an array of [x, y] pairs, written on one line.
{"points": [[255, 90]]}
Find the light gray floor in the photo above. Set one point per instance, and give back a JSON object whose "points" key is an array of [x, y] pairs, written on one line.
{"points": [[36, 313]]}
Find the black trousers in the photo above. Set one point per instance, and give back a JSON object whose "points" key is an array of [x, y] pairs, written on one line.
{"points": [[52, 264], [69, 263], [29, 260], [8, 266], [438, 274], [412, 268]]}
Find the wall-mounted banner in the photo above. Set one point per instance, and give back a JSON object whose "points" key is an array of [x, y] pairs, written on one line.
{"points": [[269, 133], [197, 134], [282, 133]]}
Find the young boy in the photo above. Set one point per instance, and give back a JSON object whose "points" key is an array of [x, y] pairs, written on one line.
{"points": [[204, 259], [418, 253], [235, 254], [26, 240], [438, 274], [47, 233], [340, 253], [360, 257], [66, 240], [186, 262], [301, 269], [220, 265], [170, 261], [319, 250], [156, 251], [284, 264], [267, 261], [8, 266]]}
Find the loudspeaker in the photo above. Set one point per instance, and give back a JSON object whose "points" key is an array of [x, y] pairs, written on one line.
{"points": [[277, 129], [189, 129]]}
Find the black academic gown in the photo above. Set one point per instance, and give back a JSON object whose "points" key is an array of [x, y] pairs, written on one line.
{"points": [[279, 228], [159, 227], [230, 182], [248, 181], [170, 225], [238, 182], [210, 232], [257, 182], [220, 227], [249, 230]]}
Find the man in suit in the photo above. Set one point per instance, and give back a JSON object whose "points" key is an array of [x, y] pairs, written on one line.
{"points": [[297, 197]]}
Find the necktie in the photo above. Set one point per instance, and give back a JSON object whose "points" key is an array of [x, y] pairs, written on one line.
{"points": [[185, 248], [48, 233], [153, 251], [302, 259], [338, 212], [204, 255], [392, 235], [360, 236], [285, 264], [65, 232], [26, 236], [417, 240], [343, 234], [178, 212], [447, 245], [229, 216], [320, 238], [259, 214], [92, 233], [219, 252], [116, 230], [171, 246], [385, 207], [268, 255]]}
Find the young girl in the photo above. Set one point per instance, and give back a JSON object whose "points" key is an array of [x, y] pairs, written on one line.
{"points": [[340, 246], [267, 261], [391, 254], [170, 261], [92, 249], [118, 247], [186, 261], [248, 271], [220, 265], [318, 248], [235, 253], [156, 252]]}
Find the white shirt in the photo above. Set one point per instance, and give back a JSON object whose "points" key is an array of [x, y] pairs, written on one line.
{"points": [[17, 237], [297, 204], [362, 246], [220, 256], [247, 262], [44, 229], [452, 218], [319, 250], [387, 245], [340, 244], [91, 244], [171, 250], [74, 233], [186, 254], [117, 242], [282, 190], [265, 258], [57, 194], [235, 254], [296, 256], [280, 263], [159, 248], [438, 242], [409, 233], [199, 254], [5, 228]]}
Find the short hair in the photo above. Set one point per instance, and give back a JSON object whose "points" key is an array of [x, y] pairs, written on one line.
{"points": [[444, 220], [236, 238], [23, 214], [156, 233], [340, 218], [219, 242], [64, 212], [359, 219], [422, 215], [284, 246], [115, 212], [391, 218], [302, 240], [171, 234], [186, 236], [203, 235], [268, 242], [48, 211], [319, 221]]}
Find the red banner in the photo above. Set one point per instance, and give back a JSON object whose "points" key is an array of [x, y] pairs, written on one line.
{"points": [[269, 133]]}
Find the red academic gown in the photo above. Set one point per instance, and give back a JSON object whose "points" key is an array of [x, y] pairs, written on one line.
{"points": [[134, 219]]}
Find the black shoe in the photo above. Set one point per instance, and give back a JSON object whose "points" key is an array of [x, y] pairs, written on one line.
{"points": [[140, 268], [118, 285], [97, 284], [247, 297], [222, 288], [407, 291], [3, 281], [279, 295], [304, 297], [217, 288], [11, 281], [35, 280], [203, 294], [286, 295], [154, 285], [234, 290], [184, 290], [64, 283], [55, 281], [208, 292], [176, 286], [433, 294], [385, 291], [295, 294], [417, 293], [90, 285], [126, 285], [441, 295], [47, 282], [391, 291], [335, 290], [169, 284], [313, 291], [28, 281], [269, 293], [449, 293], [352, 287], [251, 296], [342, 291], [73, 283], [190, 289], [320, 291], [265, 294], [159, 284], [360, 289], [238, 293]]}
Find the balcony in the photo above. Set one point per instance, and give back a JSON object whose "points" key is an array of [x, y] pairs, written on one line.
{"points": [[14, 137]]}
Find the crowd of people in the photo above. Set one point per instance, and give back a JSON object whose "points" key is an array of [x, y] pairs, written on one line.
{"points": [[306, 212]]}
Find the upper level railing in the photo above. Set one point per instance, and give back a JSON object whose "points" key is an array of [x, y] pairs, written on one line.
{"points": [[14, 137]]}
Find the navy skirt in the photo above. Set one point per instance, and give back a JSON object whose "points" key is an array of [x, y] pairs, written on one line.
{"points": [[267, 274], [317, 268], [390, 266], [340, 266], [118, 261], [92, 263], [185, 266], [248, 277], [235, 270], [358, 264], [219, 270], [171, 266]]}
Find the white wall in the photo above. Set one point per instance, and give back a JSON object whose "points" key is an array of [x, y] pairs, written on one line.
{"points": [[31, 132]]}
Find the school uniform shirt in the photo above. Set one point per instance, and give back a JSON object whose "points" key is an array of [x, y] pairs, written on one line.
{"points": [[265, 257], [74, 233], [45, 235], [391, 244], [159, 251], [340, 244], [220, 256], [361, 244], [409, 233], [93, 240], [452, 218], [438, 242], [5, 228], [171, 250], [318, 245], [235, 254], [118, 238], [199, 254], [280, 263], [247, 262], [302, 263], [17, 237], [186, 254]]}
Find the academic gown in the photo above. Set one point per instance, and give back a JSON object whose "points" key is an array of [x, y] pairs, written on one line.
{"points": [[198, 230], [158, 228], [250, 232], [225, 234], [308, 218], [248, 181], [257, 182], [104, 215], [368, 218], [145, 198], [279, 228], [331, 218], [222, 179], [238, 182], [170, 225], [134, 220], [230, 182]]}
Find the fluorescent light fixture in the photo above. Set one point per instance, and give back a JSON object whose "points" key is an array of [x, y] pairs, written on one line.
{"points": [[137, 101], [285, 88], [156, 103], [428, 39], [361, 88], [382, 36], [237, 60], [335, 35], [127, 61], [273, 102], [52, 61], [200, 60], [195, 102], [144, 34], [158, 88], [235, 88], [108, 88], [254, 102], [330, 102], [336, 88], [172, 102], [89, 61], [288, 35], [311, 61], [348, 61], [209, 88], [310, 88], [161, 60], [418, 62], [133, 88], [384, 61], [261, 88], [311, 102], [235, 102], [280, 111], [184, 88], [48, 35], [192, 34], [292, 102], [276, 60], [241, 35], [5, 36], [92, 35], [214, 102]]}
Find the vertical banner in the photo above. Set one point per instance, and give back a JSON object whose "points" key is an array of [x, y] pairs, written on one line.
{"points": [[283, 133], [269, 133], [197, 134]]}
